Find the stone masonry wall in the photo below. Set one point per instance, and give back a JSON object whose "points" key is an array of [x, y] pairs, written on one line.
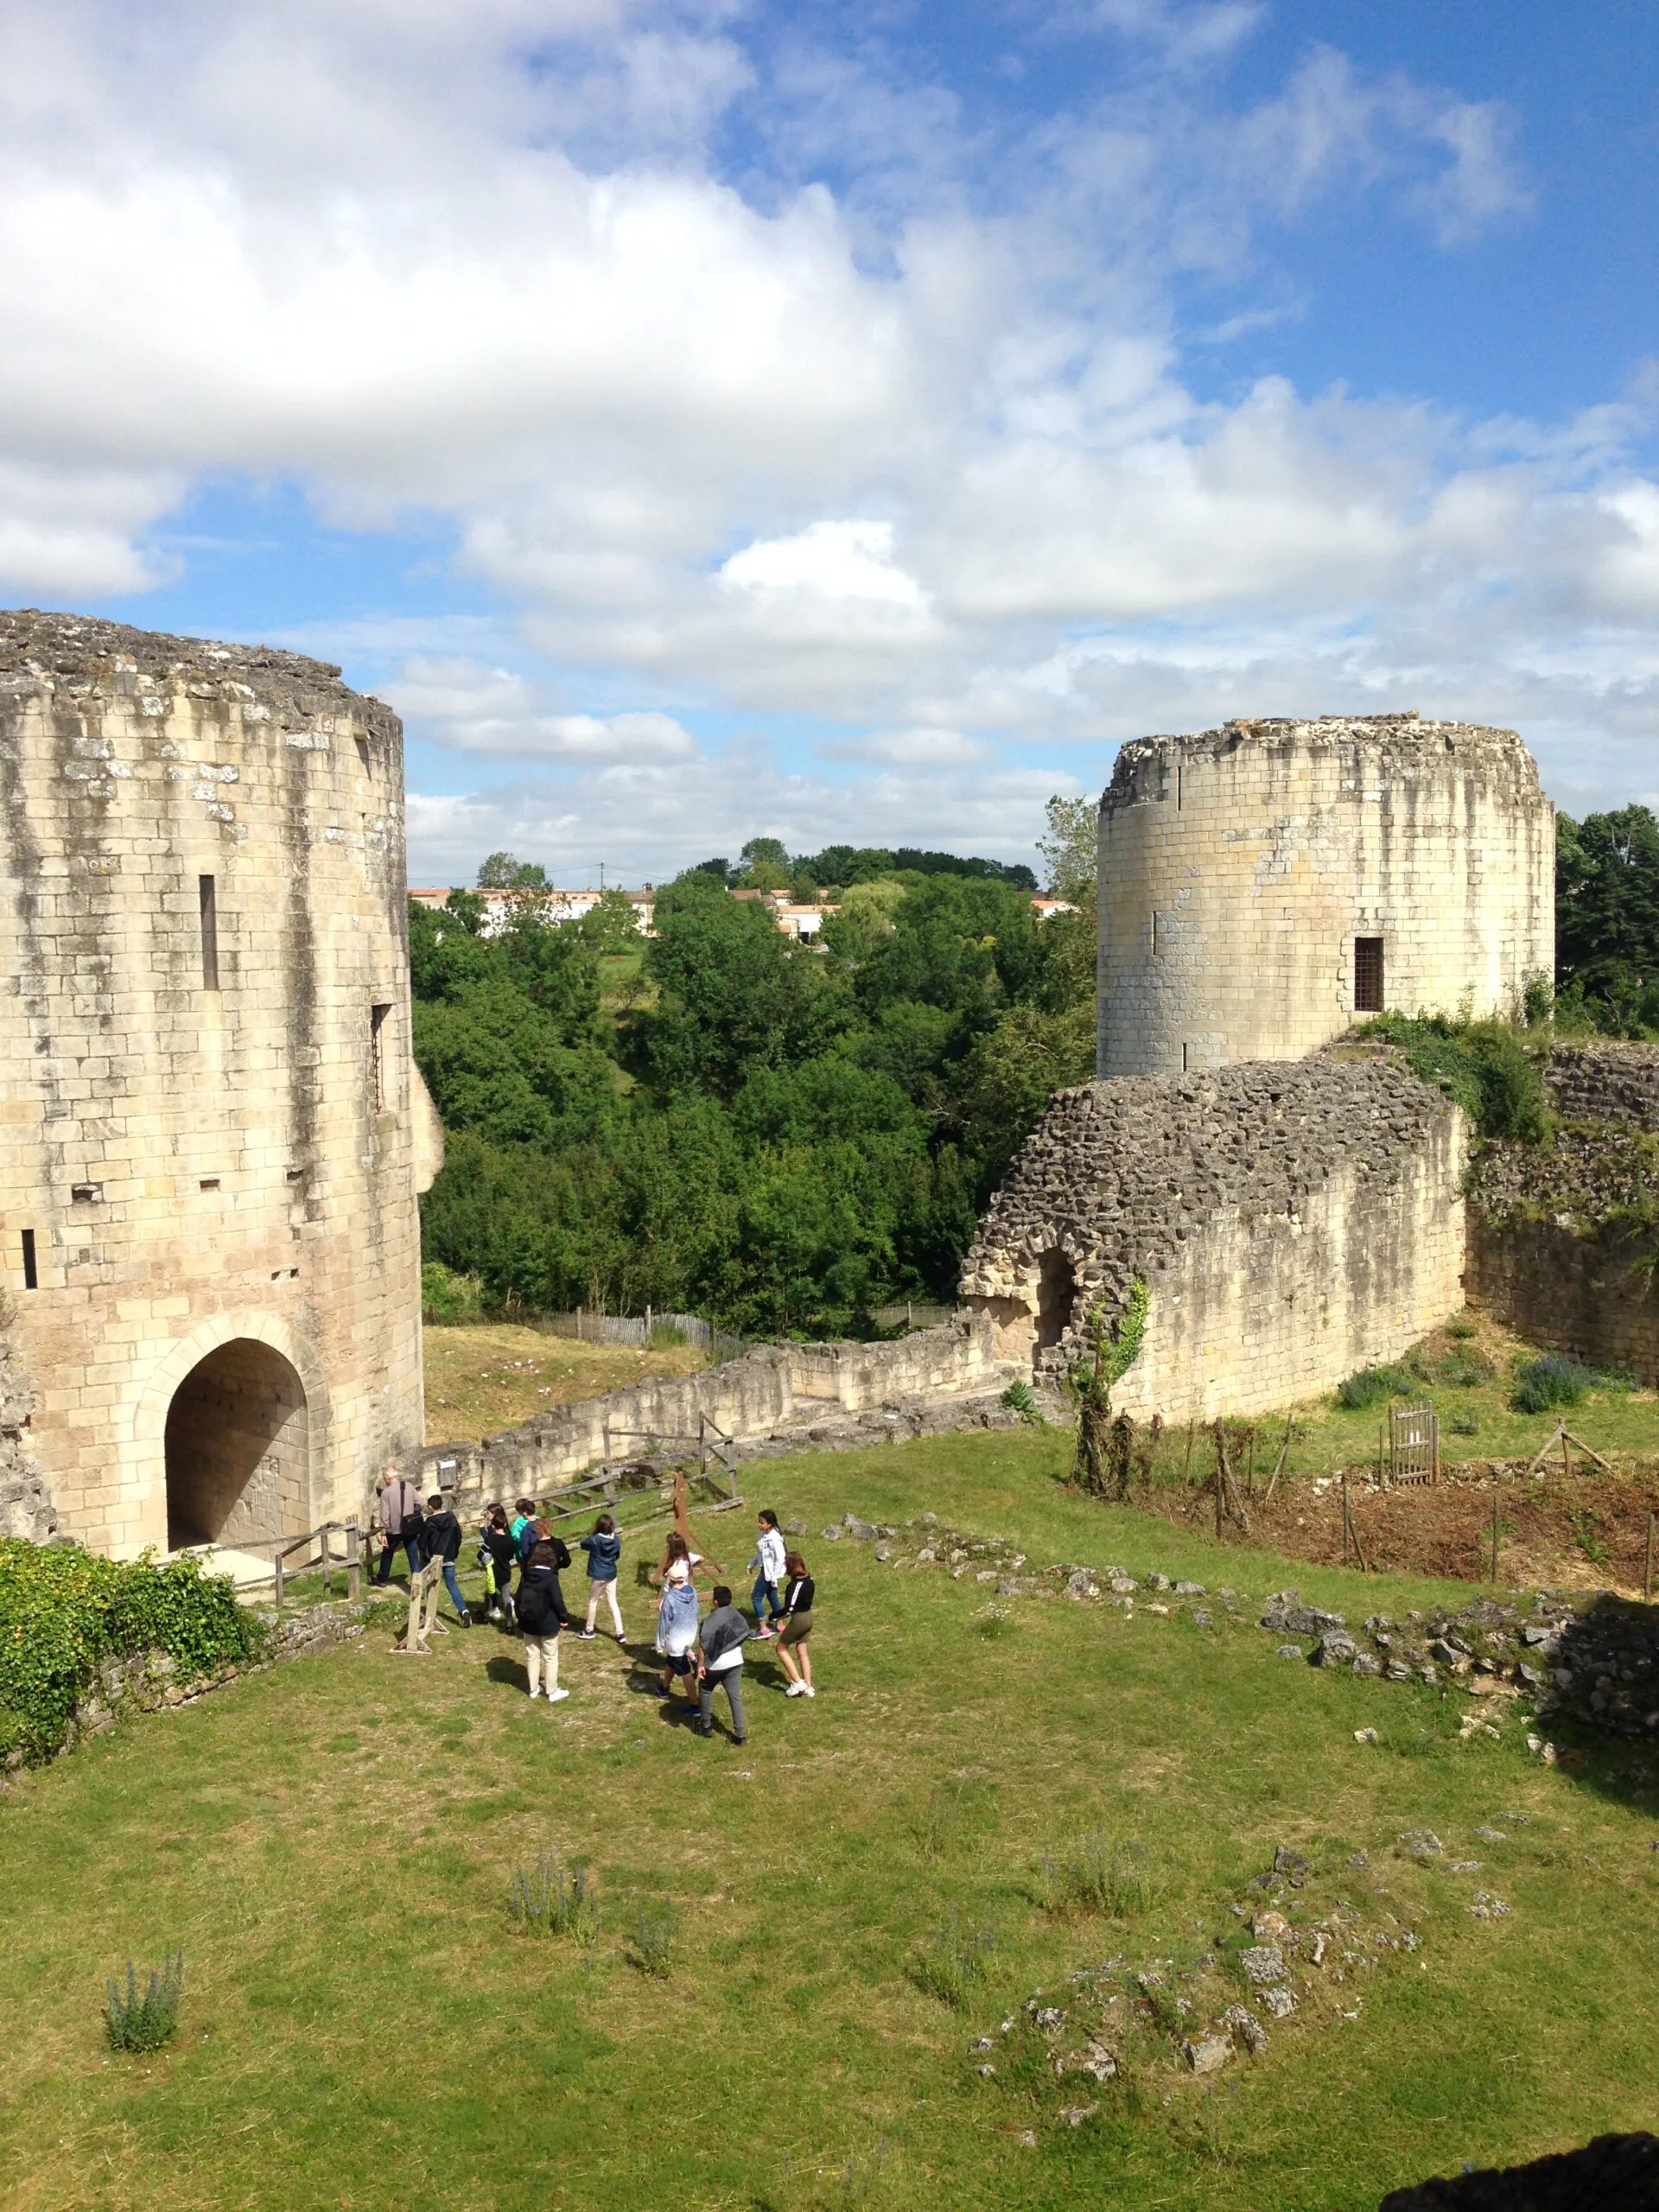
{"points": [[1591, 1296], [774, 1387], [210, 1130], [1238, 867], [1293, 1222], [1606, 1082]]}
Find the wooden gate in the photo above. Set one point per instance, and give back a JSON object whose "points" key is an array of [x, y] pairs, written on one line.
{"points": [[1413, 1445]]}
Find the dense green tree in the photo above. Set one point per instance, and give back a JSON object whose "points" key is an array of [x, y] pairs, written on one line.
{"points": [[1607, 917]]}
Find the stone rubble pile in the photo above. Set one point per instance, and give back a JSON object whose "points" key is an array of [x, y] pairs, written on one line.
{"points": [[1594, 1660]]}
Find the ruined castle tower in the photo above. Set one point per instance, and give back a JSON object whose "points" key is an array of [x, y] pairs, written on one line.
{"points": [[1263, 884], [212, 1131]]}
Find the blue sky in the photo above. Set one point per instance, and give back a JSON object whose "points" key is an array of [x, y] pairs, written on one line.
{"points": [[831, 422]]}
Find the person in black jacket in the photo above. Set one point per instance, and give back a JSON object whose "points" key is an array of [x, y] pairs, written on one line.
{"points": [[498, 1554], [541, 1615], [441, 1540], [796, 1627]]}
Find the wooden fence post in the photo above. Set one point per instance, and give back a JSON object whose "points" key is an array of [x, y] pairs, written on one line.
{"points": [[1187, 1463], [354, 1554], [279, 1581]]}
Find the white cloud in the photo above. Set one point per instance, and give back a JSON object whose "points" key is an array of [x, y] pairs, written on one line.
{"points": [[910, 748], [465, 706], [833, 560], [915, 454]]}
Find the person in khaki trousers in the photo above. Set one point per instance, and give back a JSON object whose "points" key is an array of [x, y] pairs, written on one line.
{"points": [[541, 1615]]}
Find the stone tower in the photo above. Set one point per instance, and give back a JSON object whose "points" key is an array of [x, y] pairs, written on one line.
{"points": [[1263, 884], [212, 1131]]}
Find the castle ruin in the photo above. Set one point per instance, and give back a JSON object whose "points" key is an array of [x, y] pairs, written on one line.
{"points": [[1261, 888], [211, 1130], [1264, 885]]}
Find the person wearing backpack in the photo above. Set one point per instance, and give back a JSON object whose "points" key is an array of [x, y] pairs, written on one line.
{"points": [[604, 1550], [541, 1615], [496, 1555], [442, 1539], [399, 1515], [719, 1664]]}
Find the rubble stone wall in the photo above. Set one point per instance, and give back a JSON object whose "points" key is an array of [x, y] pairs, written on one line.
{"points": [[211, 1125], [1606, 1082], [1293, 1222], [1238, 867]]}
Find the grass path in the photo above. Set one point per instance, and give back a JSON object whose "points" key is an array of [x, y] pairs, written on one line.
{"points": [[331, 1845]]}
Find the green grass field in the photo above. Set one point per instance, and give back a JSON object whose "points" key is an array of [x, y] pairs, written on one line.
{"points": [[332, 1843]]}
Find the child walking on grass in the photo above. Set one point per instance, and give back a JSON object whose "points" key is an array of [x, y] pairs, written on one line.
{"points": [[676, 1623], [719, 1664], [768, 1561], [541, 1615], [604, 1550], [793, 1655]]}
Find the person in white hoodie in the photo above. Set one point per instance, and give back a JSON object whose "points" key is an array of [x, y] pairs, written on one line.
{"points": [[768, 1561]]}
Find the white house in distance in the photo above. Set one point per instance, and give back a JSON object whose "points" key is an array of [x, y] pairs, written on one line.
{"points": [[556, 905]]}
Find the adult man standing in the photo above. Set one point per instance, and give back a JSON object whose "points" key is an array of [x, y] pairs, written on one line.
{"points": [[400, 1523]]}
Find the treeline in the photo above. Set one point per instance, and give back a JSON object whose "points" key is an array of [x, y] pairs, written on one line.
{"points": [[1607, 922], [779, 1136]]}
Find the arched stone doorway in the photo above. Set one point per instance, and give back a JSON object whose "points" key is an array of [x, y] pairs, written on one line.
{"points": [[1056, 1292], [237, 1448]]}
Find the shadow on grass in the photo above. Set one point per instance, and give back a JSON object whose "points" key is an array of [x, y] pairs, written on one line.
{"points": [[1599, 1716], [511, 1674]]}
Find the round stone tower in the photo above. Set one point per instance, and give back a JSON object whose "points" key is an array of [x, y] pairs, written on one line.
{"points": [[1263, 884], [212, 1132]]}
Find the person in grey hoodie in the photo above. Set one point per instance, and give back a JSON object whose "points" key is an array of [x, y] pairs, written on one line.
{"points": [[719, 1664]]}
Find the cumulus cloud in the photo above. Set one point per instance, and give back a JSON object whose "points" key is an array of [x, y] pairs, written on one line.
{"points": [[465, 706], [903, 440]]}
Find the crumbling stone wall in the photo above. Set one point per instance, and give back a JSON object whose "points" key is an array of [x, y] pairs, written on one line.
{"points": [[25, 1502], [1564, 1236], [212, 1132], [774, 1391], [1606, 1082], [1238, 869], [1293, 1222]]}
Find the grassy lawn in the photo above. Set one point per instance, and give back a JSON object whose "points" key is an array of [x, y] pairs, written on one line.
{"points": [[484, 1378], [333, 1842]]}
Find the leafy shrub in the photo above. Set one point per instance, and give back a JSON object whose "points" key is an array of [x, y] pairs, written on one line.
{"points": [[62, 1611], [1464, 1369], [447, 1296], [1116, 1878], [656, 1934], [1019, 1399], [1545, 1383], [1487, 1066], [135, 2023], [1461, 1327], [952, 1961], [1372, 1385], [549, 1903]]}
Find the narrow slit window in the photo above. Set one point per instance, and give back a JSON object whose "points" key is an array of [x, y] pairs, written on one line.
{"points": [[1180, 774], [31, 1273], [1368, 975], [208, 889], [1154, 931], [362, 744], [1183, 1060], [378, 1056]]}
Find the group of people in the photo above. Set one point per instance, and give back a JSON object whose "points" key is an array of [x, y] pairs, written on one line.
{"points": [[699, 1654]]}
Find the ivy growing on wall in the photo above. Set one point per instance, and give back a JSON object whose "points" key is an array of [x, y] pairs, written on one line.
{"points": [[63, 1611]]}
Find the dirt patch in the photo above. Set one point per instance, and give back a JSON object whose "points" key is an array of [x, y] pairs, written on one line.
{"points": [[1557, 1532]]}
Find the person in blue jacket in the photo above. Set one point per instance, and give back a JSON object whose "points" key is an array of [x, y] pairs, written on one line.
{"points": [[604, 1550]]}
